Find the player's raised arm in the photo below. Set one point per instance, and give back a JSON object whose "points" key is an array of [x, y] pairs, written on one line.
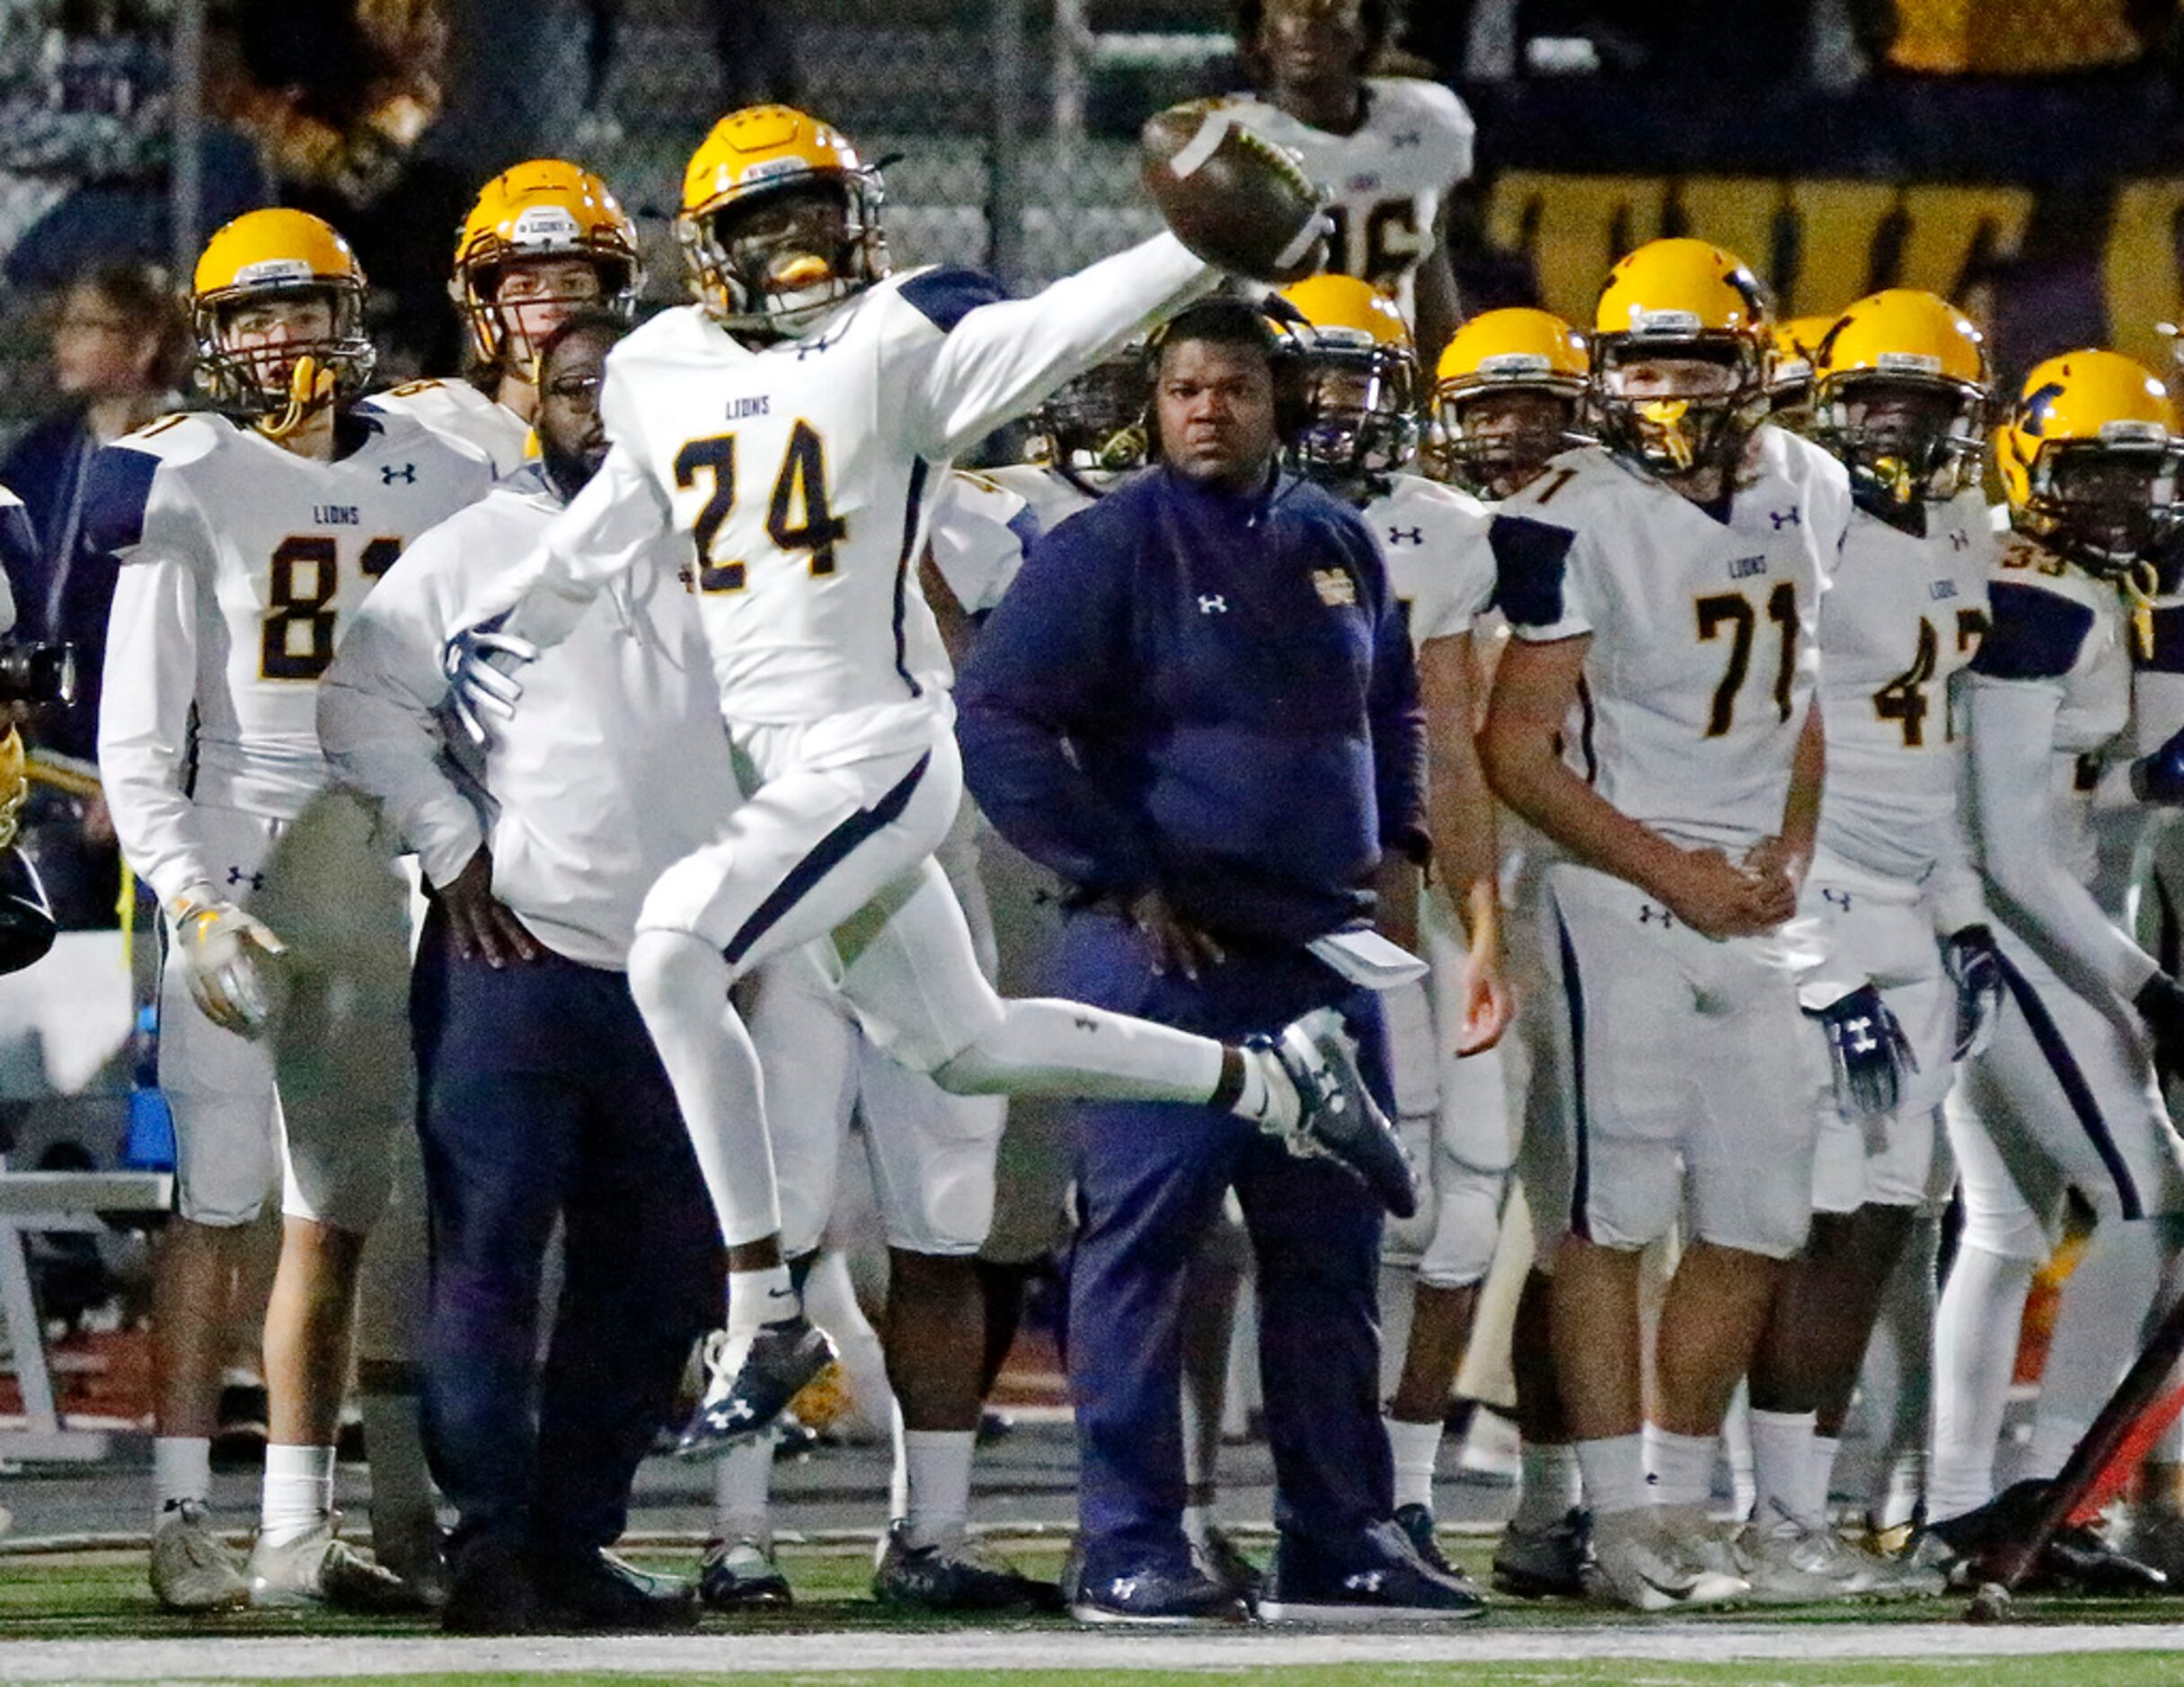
{"points": [[378, 705]]}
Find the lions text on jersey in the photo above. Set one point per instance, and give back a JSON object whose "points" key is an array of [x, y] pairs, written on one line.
{"points": [[240, 562], [1906, 611], [1388, 178], [461, 411], [1703, 654]]}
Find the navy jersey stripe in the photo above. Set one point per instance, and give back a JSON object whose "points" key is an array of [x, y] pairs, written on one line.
{"points": [[2168, 656], [115, 494], [2075, 1090], [914, 504], [946, 296], [2033, 634], [1529, 560], [824, 857], [1581, 1171]]}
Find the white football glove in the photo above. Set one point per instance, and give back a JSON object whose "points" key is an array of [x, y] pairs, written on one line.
{"points": [[220, 948], [480, 664]]}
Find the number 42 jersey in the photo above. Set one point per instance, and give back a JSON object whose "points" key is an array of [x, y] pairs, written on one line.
{"points": [[240, 564], [1703, 656]]}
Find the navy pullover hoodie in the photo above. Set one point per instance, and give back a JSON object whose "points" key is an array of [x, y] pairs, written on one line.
{"points": [[1208, 691]]}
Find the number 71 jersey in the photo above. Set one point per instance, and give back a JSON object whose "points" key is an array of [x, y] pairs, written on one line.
{"points": [[1703, 654], [241, 564]]}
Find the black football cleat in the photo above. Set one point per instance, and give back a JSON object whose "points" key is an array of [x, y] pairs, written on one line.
{"points": [[1416, 1524], [742, 1575], [1340, 1117], [2076, 1557], [960, 1576], [598, 1592], [750, 1381]]}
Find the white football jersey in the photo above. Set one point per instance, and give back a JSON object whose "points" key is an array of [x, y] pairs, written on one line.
{"points": [[1388, 179], [240, 564], [2058, 626], [1440, 564], [458, 409], [18, 552], [804, 470], [1903, 615], [1704, 647], [988, 520]]}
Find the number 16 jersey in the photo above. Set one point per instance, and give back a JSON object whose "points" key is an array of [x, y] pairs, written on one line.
{"points": [[240, 564], [1704, 655]]}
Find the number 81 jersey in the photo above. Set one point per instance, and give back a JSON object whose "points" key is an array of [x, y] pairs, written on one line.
{"points": [[241, 564], [1703, 657]]}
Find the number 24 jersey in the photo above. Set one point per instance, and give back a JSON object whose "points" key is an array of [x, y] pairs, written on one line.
{"points": [[1704, 653], [241, 564]]}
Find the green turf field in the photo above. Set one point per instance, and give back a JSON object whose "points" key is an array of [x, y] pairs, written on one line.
{"points": [[101, 1597]]}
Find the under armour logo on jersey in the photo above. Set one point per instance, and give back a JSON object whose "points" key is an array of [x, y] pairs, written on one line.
{"points": [[391, 473], [1648, 914], [1406, 535], [1839, 898], [1213, 603], [1858, 1036], [813, 347], [236, 875], [1790, 517], [1406, 137]]}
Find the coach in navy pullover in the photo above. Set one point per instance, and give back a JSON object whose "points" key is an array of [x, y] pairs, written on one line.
{"points": [[1196, 705]]}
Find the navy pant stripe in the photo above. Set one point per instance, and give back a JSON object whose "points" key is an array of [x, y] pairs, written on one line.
{"points": [[1573, 996], [825, 856], [2075, 1090]]}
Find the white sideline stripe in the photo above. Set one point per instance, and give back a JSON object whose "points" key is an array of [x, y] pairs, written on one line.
{"points": [[869, 1653]]}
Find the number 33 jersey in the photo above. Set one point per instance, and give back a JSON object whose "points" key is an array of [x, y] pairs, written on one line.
{"points": [[240, 564], [1704, 655]]}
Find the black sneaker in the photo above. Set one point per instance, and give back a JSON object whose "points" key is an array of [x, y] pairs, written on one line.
{"points": [[1340, 1118], [2076, 1557], [957, 1576], [1382, 1580], [1152, 1598], [600, 1593], [1223, 1560], [1547, 1563], [1417, 1524], [750, 1381], [491, 1591], [742, 1575]]}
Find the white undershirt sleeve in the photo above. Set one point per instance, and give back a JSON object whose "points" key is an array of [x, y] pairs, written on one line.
{"points": [[149, 687]]}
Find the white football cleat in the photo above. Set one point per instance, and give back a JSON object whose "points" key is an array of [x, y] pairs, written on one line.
{"points": [[192, 1568], [1663, 1558]]}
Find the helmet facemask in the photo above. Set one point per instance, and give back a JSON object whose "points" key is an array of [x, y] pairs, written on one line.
{"points": [[1096, 424], [1494, 440], [500, 327], [2107, 505], [1679, 404], [1358, 410], [776, 262], [280, 381], [1906, 438]]}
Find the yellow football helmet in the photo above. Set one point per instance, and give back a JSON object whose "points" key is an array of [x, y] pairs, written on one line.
{"points": [[784, 283], [279, 254], [2089, 456], [1795, 342], [545, 209], [1507, 397], [1358, 405], [1691, 302], [1900, 395]]}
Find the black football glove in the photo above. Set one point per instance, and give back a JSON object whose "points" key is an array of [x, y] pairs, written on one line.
{"points": [[1974, 965], [1869, 1053], [2159, 1003]]}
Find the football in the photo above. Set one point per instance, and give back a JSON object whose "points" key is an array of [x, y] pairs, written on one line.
{"points": [[1236, 199]]}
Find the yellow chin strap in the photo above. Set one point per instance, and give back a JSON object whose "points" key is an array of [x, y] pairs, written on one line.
{"points": [[2139, 584], [1664, 416], [310, 390]]}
